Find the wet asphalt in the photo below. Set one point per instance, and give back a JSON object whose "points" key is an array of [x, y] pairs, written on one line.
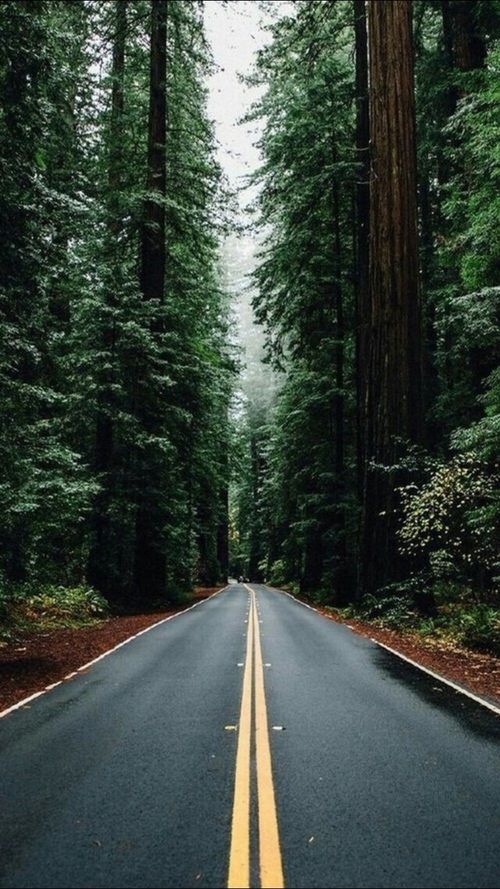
{"points": [[123, 776]]}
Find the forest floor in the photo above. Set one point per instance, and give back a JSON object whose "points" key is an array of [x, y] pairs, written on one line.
{"points": [[476, 671], [35, 660]]}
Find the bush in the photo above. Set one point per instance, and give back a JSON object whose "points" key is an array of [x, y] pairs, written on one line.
{"points": [[277, 573], [73, 602], [452, 521], [394, 611], [29, 608], [479, 628]]}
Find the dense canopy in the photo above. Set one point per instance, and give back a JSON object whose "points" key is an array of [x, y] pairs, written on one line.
{"points": [[138, 455]]}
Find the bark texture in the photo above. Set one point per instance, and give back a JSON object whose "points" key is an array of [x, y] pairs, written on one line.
{"points": [[394, 371], [362, 220], [468, 46]]}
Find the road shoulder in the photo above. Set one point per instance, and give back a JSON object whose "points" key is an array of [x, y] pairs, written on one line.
{"points": [[32, 663], [474, 672]]}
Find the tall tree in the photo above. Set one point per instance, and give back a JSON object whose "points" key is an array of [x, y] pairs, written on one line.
{"points": [[362, 218], [462, 33], [101, 569], [394, 372], [150, 560]]}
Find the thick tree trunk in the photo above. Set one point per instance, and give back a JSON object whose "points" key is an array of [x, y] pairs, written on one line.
{"points": [[362, 215], [223, 538], [100, 569], [150, 559], [463, 43], [394, 373], [468, 45]]}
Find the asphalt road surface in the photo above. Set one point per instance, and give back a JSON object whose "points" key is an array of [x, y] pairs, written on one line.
{"points": [[250, 742]]}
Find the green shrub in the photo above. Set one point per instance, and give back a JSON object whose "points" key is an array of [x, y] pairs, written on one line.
{"points": [[389, 611], [28, 608], [479, 628], [452, 521], [277, 573]]}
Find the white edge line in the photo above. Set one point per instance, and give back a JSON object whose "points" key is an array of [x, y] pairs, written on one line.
{"points": [[53, 685], [437, 676], [440, 678], [299, 602]]}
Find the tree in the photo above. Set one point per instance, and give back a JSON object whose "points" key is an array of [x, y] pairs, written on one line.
{"points": [[149, 564], [362, 208], [101, 570], [394, 372]]}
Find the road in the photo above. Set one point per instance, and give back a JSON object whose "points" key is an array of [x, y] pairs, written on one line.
{"points": [[250, 742]]}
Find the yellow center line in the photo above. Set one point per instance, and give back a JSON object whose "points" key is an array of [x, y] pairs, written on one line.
{"points": [[271, 867], [239, 856]]}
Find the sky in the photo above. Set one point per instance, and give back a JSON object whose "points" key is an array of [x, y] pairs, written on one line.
{"points": [[235, 34]]}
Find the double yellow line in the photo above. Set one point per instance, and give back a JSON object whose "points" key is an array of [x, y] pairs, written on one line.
{"points": [[271, 868]]}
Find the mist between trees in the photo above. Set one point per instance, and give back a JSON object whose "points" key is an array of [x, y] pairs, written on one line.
{"points": [[137, 440]]}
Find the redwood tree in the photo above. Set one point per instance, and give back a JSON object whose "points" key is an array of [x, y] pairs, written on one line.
{"points": [[362, 212], [393, 372], [101, 570], [150, 560]]}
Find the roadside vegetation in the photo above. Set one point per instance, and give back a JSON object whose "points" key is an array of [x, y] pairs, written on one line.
{"points": [[41, 609], [374, 471], [115, 367], [367, 475]]}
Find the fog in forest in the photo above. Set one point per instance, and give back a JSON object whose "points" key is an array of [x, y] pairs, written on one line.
{"points": [[235, 33]]}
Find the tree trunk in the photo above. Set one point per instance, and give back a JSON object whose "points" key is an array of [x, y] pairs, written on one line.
{"points": [[312, 570], [362, 216], [100, 568], [255, 542], [223, 518], [340, 558], [394, 373], [464, 45], [468, 46], [150, 559]]}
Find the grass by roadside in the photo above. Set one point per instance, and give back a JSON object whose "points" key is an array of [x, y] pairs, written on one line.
{"points": [[458, 621], [474, 626]]}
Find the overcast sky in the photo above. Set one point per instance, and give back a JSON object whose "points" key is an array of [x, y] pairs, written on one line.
{"points": [[235, 33]]}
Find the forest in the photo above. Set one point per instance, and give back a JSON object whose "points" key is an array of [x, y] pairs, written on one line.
{"points": [[138, 458]]}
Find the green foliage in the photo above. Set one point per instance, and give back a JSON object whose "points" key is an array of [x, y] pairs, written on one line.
{"points": [[452, 520], [30, 608], [479, 627], [395, 611], [303, 292], [84, 358], [276, 573]]}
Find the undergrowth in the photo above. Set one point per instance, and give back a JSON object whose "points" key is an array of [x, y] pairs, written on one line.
{"points": [[27, 609]]}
